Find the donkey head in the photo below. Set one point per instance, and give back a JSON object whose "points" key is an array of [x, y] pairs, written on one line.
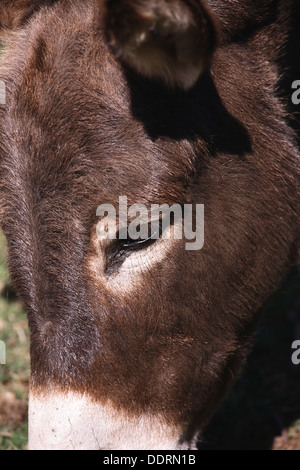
{"points": [[135, 341]]}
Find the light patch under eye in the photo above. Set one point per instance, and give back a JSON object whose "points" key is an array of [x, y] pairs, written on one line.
{"points": [[125, 274]]}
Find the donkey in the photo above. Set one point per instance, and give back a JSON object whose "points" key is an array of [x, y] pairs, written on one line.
{"points": [[135, 342]]}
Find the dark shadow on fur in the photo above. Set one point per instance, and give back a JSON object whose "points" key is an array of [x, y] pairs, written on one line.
{"points": [[265, 400], [188, 115]]}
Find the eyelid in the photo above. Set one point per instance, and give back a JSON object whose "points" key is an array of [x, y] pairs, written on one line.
{"points": [[119, 250], [137, 241], [141, 242]]}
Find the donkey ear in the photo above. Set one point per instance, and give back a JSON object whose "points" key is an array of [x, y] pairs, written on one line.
{"points": [[15, 13], [170, 40]]}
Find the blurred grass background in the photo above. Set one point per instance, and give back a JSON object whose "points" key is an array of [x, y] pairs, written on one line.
{"points": [[14, 375]]}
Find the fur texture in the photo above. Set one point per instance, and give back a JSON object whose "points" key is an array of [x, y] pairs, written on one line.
{"points": [[81, 128]]}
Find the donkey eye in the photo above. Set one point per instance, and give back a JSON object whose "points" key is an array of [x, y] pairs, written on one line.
{"points": [[140, 243], [136, 244], [119, 250]]}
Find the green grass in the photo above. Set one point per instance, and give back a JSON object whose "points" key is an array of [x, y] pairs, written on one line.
{"points": [[14, 375], [15, 439]]}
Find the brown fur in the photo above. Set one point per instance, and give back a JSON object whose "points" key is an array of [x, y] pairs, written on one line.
{"points": [[81, 129]]}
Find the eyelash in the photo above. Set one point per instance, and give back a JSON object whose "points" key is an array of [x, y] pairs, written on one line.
{"points": [[120, 249], [142, 243]]}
